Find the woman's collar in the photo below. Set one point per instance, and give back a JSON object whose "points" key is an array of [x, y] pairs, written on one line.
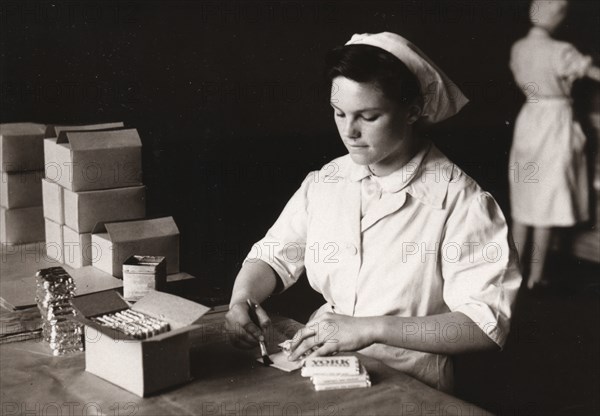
{"points": [[539, 31], [425, 177]]}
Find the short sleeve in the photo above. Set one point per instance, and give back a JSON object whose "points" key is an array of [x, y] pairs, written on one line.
{"points": [[570, 63], [483, 279], [283, 246]]}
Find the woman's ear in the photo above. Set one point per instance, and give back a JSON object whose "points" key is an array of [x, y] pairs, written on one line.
{"points": [[413, 114]]}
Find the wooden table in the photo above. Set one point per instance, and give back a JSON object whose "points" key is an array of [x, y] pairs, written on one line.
{"points": [[226, 381]]}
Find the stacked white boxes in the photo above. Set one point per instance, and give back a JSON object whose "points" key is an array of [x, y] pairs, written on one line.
{"points": [[22, 170], [93, 175]]}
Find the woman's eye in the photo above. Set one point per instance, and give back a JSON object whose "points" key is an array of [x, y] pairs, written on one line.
{"points": [[372, 118], [339, 115]]}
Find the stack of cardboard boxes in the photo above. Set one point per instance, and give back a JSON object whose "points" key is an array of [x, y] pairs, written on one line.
{"points": [[22, 168], [93, 175], [93, 210]]}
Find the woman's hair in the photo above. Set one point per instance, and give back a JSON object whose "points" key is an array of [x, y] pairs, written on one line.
{"points": [[369, 64]]}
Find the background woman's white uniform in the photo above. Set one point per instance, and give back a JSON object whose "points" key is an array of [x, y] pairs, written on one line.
{"points": [[547, 171]]}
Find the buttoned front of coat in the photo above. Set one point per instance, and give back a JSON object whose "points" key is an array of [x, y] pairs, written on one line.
{"points": [[433, 243]]}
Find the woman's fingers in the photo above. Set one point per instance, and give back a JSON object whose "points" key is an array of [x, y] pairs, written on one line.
{"points": [[300, 336], [238, 335], [323, 330], [240, 329], [317, 338], [263, 319], [303, 342], [303, 348], [251, 328], [324, 350]]}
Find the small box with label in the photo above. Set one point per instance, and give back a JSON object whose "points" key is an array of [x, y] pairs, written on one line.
{"points": [[142, 274]]}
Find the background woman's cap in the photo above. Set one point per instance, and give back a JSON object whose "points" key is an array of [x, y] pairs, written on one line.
{"points": [[548, 13], [441, 97]]}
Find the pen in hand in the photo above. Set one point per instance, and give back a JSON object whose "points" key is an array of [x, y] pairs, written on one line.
{"points": [[261, 341]]}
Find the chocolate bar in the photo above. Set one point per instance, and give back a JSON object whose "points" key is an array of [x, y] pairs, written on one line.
{"points": [[133, 323], [54, 291]]}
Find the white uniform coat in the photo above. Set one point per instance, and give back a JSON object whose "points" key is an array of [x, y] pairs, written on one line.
{"points": [[433, 243], [547, 171]]}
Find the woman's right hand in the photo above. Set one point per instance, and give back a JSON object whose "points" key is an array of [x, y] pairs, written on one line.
{"points": [[242, 331]]}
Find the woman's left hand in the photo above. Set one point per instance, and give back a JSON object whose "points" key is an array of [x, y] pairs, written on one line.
{"points": [[331, 333]]}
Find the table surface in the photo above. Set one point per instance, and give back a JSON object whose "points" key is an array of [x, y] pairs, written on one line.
{"points": [[226, 381]]}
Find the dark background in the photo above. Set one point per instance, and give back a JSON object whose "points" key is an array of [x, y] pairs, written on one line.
{"points": [[230, 104], [229, 100]]}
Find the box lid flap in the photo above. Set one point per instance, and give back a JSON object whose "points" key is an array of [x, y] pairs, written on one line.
{"points": [[138, 229], [170, 307], [100, 139], [22, 129], [99, 303], [54, 130]]}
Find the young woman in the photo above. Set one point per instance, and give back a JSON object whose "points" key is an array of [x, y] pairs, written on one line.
{"points": [[412, 258], [547, 172]]}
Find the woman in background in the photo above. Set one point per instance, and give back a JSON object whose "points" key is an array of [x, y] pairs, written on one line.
{"points": [[547, 172], [412, 257]]}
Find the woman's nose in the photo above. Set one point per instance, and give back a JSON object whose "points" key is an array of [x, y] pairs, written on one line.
{"points": [[351, 129]]}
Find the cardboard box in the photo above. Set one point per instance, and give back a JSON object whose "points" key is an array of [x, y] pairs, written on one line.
{"points": [[118, 241], [141, 366], [54, 130], [78, 250], [21, 147], [52, 198], [142, 274], [91, 160], [21, 189], [83, 210], [54, 240], [21, 225]]}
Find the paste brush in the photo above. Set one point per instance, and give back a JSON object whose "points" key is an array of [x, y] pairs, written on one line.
{"points": [[261, 341]]}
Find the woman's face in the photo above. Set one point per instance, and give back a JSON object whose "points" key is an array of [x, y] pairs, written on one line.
{"points": [[375, 130], [548, 14]]}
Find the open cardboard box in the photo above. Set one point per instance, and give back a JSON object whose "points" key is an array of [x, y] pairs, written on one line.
{"points": [[83, 210], [141, 366], [143, 273], [21, 146], [94, 159], [117, 241]]}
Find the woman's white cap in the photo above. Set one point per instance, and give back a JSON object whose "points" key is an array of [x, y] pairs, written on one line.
{"points": [[441, 97], [548, 13]]}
